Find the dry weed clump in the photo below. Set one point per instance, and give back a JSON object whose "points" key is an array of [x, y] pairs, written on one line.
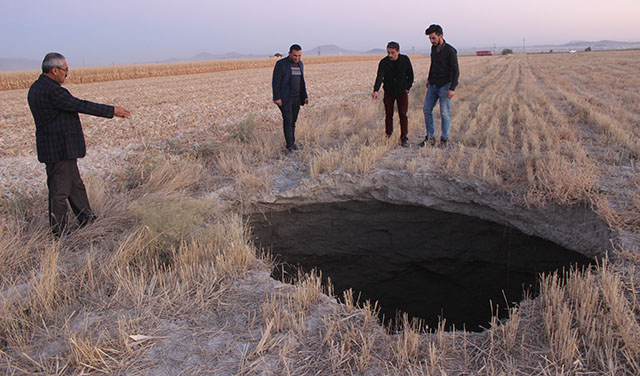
{"points": [[19, 260], [348, 139], [166, 229], [591, 321], [560, 181]]}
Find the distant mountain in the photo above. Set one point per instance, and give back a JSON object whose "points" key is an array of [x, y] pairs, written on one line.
{"points": [[9, 64], [329, 50], [376, 51], [333, 50], [602, 45], [323, 50], [576, 45]]}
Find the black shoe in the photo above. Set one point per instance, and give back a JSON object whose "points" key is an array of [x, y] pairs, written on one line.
{"points": [[86, 220], [297, 147], [58, 233], [443, 142], [288, 152], [427, 141], [404, 144]]}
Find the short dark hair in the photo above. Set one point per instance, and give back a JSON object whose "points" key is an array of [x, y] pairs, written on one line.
{"points": [[433, 29], [394, 45], [295, 47], [52, 60]]}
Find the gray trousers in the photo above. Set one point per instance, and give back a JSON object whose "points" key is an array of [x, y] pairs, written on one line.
{"points": [[65, 184], [290, 110]]}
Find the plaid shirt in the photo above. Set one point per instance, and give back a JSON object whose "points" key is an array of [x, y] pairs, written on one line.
{"points": [[55, 112]]}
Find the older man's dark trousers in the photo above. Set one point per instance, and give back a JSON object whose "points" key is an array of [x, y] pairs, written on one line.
{"points": [[64, 183], [290, 110], [403, 107]]}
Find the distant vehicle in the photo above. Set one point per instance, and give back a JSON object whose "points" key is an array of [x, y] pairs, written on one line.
{"points": [[484, 53], [572, 51]]}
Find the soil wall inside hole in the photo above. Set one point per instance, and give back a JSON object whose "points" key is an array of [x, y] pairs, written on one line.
{"points": [[576, 227], [422, 261]]}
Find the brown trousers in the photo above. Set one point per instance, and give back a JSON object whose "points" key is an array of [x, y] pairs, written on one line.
{"points": [[64, 183], [403, 107]]}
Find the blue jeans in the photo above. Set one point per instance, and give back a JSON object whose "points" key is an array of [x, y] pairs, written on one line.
{"points": [[433, 94]]}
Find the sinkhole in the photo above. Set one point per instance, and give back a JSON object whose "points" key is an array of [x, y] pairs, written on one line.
{"points": [[430, 264]]}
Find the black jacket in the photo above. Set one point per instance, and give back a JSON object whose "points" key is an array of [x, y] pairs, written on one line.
{"points": [[444, 67], [55, 111], [281, 81], [397, 78]]}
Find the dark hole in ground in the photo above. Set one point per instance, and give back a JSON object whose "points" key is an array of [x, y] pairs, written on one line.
{"points": [[425, 262]]}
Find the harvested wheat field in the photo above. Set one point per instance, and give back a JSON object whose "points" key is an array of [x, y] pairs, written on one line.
{"points": [[169, 280]]}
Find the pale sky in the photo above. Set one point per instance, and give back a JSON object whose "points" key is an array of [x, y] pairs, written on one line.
{"points": [[93, 32]]}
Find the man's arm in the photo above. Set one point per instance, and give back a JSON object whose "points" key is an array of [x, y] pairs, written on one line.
{"points": [[454, 69], [304, 84], [63, 100], [410, 76], [379, 79], [275, 83]]}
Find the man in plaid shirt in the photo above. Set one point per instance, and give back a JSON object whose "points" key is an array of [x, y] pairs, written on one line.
{"points": [[60, 141]]}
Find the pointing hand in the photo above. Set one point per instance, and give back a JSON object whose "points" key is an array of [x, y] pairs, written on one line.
{"points": [[121, 112]]}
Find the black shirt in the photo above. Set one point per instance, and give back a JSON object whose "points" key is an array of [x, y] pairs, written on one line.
{"points": [[444, 66], [397, 75]]}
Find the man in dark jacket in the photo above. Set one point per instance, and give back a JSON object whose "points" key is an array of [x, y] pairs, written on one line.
{"points": [[396, 72], [60, 141], [289, 93], [441, 84]]}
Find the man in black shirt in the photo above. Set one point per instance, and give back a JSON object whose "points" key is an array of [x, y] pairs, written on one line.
{"points": [[441, 84], [289, 93], [396, 72]]}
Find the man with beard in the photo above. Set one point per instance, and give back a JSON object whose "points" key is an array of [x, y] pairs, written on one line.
{"points": [[441, 84]]}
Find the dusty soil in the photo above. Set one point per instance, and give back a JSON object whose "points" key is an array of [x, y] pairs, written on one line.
{"points": [[165, 110]]}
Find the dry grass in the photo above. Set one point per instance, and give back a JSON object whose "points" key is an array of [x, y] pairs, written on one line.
{"points": [[522, 126], [170, 257], [165, 256]]}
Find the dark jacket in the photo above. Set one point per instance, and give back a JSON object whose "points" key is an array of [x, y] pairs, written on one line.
{"points": [[55, 111], [281, 81], [397, 78], [444, 67]]}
